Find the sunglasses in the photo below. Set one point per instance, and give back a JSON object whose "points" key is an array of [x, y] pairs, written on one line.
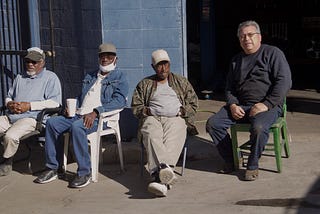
{"points": [[30, 61]]}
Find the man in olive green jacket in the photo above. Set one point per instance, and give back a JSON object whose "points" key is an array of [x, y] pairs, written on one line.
{"points": [[165, 104]]}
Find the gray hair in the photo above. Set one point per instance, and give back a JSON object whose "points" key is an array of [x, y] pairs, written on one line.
{"points": [[246, 24]]}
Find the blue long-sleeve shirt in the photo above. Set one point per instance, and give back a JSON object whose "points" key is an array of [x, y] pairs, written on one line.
{"points": [[39, 88]]}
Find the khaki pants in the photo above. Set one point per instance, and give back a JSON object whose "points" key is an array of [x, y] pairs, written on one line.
{"points": [[163, 138], [13, 132]]}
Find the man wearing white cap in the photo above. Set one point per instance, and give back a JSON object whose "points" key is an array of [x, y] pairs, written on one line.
{"points": [[165, 104], [32, 91], [104, 89]]}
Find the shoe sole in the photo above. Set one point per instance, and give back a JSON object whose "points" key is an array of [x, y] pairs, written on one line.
{"points": [[157, 192], [47, 181], [167, 176], [83, 185]]}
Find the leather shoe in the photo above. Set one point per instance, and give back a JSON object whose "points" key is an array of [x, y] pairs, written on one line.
{"points": [[251, 175]]}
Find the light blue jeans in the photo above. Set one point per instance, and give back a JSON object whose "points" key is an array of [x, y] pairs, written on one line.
{"points": [[55, 127]]}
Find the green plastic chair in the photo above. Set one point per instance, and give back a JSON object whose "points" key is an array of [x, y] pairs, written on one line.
{"points": [[280, 139]]}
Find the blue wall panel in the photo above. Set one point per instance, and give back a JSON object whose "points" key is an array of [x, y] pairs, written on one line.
{"points": [[138, 27], [122, 20]]}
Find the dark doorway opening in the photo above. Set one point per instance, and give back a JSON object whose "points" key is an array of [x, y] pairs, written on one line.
{"points": [[296, 31]]}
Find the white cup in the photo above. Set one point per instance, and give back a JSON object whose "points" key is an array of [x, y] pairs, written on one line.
{"points": [[72, 107]]}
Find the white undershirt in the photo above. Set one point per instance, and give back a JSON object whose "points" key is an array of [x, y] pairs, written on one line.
{"points": [[92, 99]]}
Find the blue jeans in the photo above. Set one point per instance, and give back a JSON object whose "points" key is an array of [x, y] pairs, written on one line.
{"points": [[55, 127], [218, 124]]}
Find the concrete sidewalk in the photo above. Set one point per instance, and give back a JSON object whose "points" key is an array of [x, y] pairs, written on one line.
{"points": [[200, 190]]}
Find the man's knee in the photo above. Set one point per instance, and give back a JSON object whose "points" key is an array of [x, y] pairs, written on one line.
{"points": [[211, 124], [77, 126], [259, 128], [10, 138]]}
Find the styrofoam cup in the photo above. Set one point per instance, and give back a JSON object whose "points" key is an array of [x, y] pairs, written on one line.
{"points": [[72, 107]]}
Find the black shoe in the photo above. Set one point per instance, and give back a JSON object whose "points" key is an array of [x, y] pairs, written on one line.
{"points": [[227, 168], [47, 176], [80, 181]]}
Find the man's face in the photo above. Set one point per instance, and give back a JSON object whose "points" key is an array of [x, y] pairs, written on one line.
{"points": [[162, 69], [106, 58], [250, 39], [33, 66]]}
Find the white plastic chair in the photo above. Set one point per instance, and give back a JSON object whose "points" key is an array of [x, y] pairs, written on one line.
{"points": [[112, 120]]}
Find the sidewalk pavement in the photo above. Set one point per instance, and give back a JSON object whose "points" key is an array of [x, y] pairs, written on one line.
{"points": [[200, 190]]}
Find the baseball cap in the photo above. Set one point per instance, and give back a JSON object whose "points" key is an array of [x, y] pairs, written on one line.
{"points": [[35, 54], [107, 48], [159, 55]]}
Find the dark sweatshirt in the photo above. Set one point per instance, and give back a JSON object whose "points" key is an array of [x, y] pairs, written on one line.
{"points": [[263, 76]]}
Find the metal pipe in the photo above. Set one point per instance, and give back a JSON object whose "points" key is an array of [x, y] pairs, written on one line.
{"points": [[53, 55]]}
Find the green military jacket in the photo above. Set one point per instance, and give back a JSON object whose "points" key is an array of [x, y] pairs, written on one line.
{"points": [[184, 90]]}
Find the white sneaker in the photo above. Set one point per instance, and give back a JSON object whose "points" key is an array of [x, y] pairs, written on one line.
{"points": [[167, 175], [158, 189]]}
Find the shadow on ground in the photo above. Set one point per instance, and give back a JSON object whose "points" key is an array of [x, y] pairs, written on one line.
{"points": [[303, 105], [309, 204]]}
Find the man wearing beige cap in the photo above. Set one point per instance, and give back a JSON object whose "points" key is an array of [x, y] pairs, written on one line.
{"points": [[104, 89], [32, 91], [165, 104]]}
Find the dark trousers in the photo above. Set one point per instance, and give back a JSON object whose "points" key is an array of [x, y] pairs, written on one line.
{"points": [[217, 126]]}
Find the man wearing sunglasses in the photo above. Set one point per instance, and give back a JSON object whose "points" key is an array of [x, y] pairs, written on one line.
{"points": [[35, 89]]}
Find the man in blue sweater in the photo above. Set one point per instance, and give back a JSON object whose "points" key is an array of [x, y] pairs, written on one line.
{"points": [[35, 89], [258, 81]]}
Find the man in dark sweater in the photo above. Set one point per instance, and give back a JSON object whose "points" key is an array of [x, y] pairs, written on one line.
{"points": [[258, 81]]}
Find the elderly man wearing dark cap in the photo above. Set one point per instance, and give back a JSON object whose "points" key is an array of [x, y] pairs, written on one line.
{"points": [[32, 91], [165, 104], [104, 89]]}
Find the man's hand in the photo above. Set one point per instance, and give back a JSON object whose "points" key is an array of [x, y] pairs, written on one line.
{"points": [[18, 107], [24, 106], [88, 119], [12, 106], [236, 111], [257, 108]]}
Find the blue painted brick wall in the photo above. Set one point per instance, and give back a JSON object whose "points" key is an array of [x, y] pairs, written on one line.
{"points": [[138, 27]]}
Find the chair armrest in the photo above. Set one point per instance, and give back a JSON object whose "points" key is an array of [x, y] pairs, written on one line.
{"points": [[110, 117], [43, 113], [110, 113]]}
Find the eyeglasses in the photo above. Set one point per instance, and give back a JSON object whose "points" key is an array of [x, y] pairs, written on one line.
{"points": [[30, 61], [250, 35]]}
